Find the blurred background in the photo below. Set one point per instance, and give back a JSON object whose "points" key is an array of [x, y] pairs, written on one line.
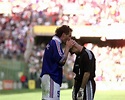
{"points": [[27, 25]]}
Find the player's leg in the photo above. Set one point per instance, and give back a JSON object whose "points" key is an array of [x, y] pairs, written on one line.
{"points": [[50, 89]]}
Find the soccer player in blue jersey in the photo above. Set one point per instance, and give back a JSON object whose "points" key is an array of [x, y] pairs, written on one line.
{"points": [[84, 69], [53, 60]]}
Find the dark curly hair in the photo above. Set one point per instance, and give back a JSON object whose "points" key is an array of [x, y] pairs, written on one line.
{"points": [[63, 29]]}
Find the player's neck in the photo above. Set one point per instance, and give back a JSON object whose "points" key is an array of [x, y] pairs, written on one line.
{"points": [[80, 47]]}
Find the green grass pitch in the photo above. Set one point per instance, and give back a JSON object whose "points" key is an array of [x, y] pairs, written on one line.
{"points": [[65, 95]]}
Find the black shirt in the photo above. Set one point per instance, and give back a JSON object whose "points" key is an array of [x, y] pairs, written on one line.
{"points": [[85, 62]]}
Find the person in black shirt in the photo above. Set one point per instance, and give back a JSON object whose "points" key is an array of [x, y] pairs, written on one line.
{"points": [[84, 68]]}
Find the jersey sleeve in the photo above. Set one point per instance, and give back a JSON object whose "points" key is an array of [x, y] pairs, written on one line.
{"points": [[87, 62], [57, 51]]}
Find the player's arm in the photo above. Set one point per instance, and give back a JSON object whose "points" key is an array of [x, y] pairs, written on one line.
{"points": [[69, 45], [85, 79], [87, 69]]}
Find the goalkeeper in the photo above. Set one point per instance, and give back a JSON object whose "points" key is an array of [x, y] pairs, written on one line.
{"points": [[84, 69]]}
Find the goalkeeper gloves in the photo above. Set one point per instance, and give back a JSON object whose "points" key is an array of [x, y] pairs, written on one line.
{"points": [[80, 94]]}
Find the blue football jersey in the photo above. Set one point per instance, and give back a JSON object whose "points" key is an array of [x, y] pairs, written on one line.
{"points": [[53, 54]]}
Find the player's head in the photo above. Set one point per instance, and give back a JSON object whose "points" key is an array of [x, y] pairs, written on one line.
{"points": [[64, 33], [76, 49]]}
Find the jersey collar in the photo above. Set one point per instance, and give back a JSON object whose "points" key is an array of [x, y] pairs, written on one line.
{"points": [[57, 38]]}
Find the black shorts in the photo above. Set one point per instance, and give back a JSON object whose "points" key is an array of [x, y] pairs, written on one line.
{"points": [[89, 90]]}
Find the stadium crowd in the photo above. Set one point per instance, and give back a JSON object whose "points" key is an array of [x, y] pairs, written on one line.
{"points": [[16, 26]]}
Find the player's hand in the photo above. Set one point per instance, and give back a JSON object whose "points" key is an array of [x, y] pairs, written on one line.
{"points": [[80, 94], [70, 43]]}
